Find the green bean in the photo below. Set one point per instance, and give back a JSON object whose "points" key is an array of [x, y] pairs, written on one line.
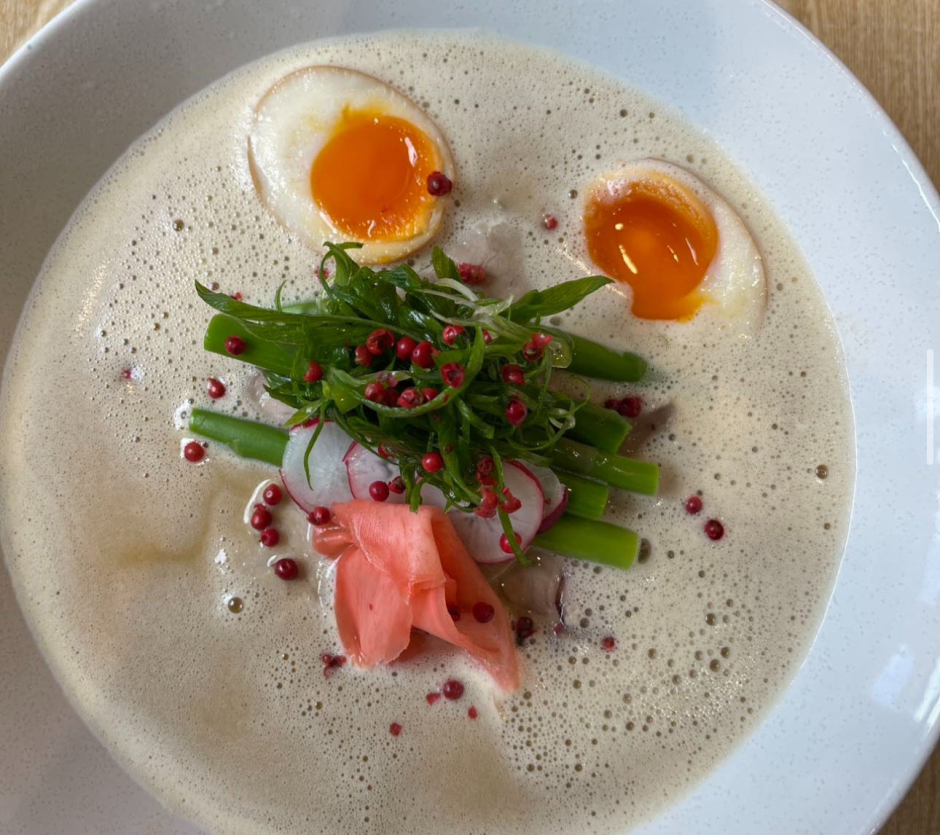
{"points": [[583, 539], [587, 499], [261, 353], [594, 360], [615, 470], [244, 437], [599, 427]]}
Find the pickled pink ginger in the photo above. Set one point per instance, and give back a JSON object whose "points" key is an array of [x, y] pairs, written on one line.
{"points": [[400, 570]]}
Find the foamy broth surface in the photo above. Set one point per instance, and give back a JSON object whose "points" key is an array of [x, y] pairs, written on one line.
{"points": [[200, 669]]}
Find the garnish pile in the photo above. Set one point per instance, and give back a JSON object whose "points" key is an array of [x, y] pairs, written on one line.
{"points": [[446, 383]]}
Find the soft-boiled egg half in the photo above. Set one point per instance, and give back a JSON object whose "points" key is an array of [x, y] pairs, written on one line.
{"points": [[679, 246], [338, 155]]}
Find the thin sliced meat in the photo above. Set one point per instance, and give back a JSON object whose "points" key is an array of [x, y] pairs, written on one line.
{"points": [[399, 569]]}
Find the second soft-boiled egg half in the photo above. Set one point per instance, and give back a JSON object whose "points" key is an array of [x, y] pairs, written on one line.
{"points": [[339, 155], [678, 245]]}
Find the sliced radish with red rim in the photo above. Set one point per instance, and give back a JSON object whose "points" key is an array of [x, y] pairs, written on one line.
{"points": [[329, 481], [556, 496], [480, 535], [363, 467]]}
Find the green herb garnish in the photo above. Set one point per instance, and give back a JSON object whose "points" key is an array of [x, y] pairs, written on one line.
{"points": [[409, 366]]}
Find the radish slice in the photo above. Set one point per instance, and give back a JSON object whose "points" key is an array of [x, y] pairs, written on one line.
{"points": [[364, 467], [273, 410], [481, 535], [556, 496], [328, 479], [550, 519]]}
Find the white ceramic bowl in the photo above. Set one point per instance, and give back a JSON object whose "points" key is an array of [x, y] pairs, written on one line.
{"points": [[850, 733]]}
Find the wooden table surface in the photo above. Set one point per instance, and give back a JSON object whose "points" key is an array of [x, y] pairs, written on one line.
{"points": [[893, 46]]}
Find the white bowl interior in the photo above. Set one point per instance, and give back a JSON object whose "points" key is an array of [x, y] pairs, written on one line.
{"points": [[850, 733]]}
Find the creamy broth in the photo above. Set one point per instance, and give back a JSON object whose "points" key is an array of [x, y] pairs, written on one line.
{"points": [[201, 670]]}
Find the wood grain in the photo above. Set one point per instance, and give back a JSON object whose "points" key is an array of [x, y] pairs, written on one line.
{"points": [[894, 49]]}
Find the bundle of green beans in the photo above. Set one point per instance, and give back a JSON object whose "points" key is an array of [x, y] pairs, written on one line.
{"points": [[414, 366]]}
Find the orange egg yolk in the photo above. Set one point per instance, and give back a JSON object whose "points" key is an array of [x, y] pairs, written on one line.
{"points": [[370, 178], [659, 238]]}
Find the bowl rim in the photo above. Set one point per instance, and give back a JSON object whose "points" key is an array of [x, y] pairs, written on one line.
{"points": [[882, 806]]}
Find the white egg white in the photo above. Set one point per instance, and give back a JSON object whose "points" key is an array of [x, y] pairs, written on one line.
{"points": [[292, 123]]}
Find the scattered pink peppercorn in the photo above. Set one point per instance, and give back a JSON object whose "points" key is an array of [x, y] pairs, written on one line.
{"points": [[194, 452], [693, 505], [260, 518], [453, 374], [452, 689], [379, 341], [397, 485], [513, 375], [472, 273], [439, 184], [516, 412], [487, 337], [409, 399], [714, 530], [331, 663], [630, 406], [287, 569], [504, 545], [314, 373], [429, 393], [270, 537], [525, 628], [433, 698], [488, 504], [541, 340], [216, 388], [483, 612], [272, 494], [374, 392], [432, 462], [532, 352], [472, 712], [404, 347], [549, 222], [609, 643], [128, 374], [235, 345], [395, 728], [510, 503], [378, 490], [451, 334], [362, 356], [319, 516], [423, 355]]}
